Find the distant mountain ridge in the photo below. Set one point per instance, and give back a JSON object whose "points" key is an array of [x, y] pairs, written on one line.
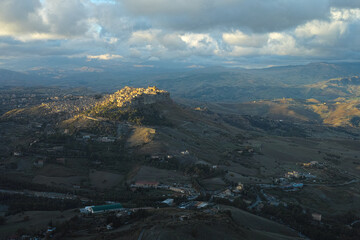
{"points": [[217, 84]]}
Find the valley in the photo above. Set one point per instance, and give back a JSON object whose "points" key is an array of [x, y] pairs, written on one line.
{"points": [[267, 159]]}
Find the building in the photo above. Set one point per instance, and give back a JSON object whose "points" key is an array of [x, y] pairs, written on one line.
{"points": [[17, 154], [106, 139], [39, 163], [227, 192], [298, 185], [239, 187], [311, 164], [292, 174], [176, 189], [147, 184], [104, 208], [61, 161], [185, 152], [169, 201], [316, 216]]}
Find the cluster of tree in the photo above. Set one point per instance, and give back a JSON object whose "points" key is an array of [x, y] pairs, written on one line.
{"points": [[2, 220], [277, 128], [25, 184], [331, 229], [119, 221], [19, 203], [169, 164], [238, 202], [201, 170]]}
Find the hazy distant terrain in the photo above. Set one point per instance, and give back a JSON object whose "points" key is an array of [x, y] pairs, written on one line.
{"points": [[208, 84]]}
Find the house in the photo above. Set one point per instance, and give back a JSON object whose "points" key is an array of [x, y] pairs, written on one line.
{"points": [[169, 201], [297, 185], [175, 189], [61, 161], [104, 208], [147, 184], [39, 163], [58, 148], [201, 204], [106, 139], [311, 164], [240, 187], [17, 154], [185, 152], [316, 216], [292, 174], [227, 192], [86, 137]]}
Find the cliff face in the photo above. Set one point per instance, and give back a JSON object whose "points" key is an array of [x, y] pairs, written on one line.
{"points": [[133, 97]]}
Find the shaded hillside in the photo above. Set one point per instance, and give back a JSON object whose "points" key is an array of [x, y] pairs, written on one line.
{"points": [[18, 79]]}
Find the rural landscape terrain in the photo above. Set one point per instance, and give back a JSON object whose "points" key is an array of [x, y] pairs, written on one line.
{"points": [[179, 120], [181, 167]]}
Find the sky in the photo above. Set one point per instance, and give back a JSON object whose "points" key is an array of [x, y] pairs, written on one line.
{"points": [[187, 33]]}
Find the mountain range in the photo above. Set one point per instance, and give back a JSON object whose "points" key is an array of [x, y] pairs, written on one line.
{"points": [[206, 84]]}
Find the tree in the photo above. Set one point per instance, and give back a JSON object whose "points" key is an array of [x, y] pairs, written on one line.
{"points": [[2, 220]]}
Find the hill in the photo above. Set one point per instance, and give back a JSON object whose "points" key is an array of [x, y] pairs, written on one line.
{"points": [[339, 112], [17, 79], [348, 87], [132, 104], [278, 159]]}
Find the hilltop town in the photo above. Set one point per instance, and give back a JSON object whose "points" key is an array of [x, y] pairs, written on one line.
{"points": [[129, 96]]}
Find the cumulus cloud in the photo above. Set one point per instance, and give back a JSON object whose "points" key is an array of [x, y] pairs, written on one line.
{"points": [[19, 17], [345, 3], [246, 40], [106, 56], [181, 30], [65, 17], [195, 66], [200, 15]]}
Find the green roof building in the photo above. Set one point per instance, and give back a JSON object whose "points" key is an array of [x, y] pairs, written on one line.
{"points": [[105, 208]]}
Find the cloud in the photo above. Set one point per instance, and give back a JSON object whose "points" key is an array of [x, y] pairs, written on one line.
{"points": [[20, 17], [202, 15], [195, 66], [143, 66], [202, 44], [39, 20], [104, 57], [345, 3], [65, 17], [321, 32], [202, 31], [247, 40]]}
